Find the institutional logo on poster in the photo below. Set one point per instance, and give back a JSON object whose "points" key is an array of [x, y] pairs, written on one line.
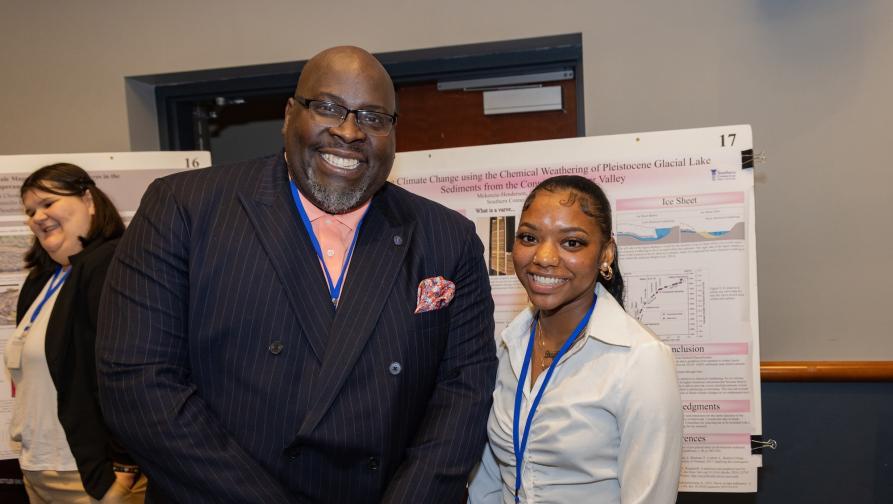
{"points": [[717, 174]]}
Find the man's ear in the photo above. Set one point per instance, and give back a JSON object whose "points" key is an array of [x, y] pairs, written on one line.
{"points": [[289, 105]]}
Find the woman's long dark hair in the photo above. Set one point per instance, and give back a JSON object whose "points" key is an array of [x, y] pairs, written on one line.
{"points": [[594, 203], [65, 179]]}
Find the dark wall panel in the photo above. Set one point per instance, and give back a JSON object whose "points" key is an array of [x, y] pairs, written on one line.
{"points": [[835, 445]]}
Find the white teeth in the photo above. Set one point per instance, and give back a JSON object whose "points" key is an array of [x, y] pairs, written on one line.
{"points": [[548, 280], [340, 162]]}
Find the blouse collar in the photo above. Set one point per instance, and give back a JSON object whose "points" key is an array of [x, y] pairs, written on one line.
{"points": [[608, 324]]}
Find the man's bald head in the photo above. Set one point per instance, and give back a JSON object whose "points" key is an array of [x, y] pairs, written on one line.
{"points": [[345, 60], [339, 166]]}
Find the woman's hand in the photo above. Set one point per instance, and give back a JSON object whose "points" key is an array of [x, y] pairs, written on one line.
{"points": [[121, 490]]}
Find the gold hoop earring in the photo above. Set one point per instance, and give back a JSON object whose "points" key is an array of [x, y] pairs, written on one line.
{"points": [[606, 271]]}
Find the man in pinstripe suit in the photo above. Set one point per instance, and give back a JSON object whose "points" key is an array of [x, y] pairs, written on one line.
{"points": [[236, 369]]}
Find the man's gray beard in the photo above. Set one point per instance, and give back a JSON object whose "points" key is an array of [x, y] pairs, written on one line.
{"points": [[334, 202]]}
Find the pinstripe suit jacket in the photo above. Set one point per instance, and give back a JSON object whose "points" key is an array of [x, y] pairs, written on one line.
{"points": [[227, 372]]}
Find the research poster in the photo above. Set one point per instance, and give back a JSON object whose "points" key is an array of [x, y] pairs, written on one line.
{"points": [[123, 176], [683, 204]]}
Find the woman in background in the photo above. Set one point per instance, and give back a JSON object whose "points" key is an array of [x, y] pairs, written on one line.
{"points": [[586, 406], [68, 455]]}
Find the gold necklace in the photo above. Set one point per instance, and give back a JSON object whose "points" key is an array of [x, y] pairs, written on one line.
{"points": [[547, 354]]}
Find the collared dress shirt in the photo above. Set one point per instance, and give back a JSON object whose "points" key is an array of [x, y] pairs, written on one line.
{"points": [[334, 233], [608, 428]]}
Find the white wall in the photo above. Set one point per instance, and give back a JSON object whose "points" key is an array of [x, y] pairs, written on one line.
{"points": [[812, 77]]}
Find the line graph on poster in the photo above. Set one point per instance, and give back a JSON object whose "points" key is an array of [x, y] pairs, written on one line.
{"points": [[670, 303]]}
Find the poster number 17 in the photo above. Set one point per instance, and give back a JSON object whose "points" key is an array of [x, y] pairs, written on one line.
{"points": [[728, 139]]}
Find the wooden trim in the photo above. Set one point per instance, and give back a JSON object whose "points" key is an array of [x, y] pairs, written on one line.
{"points": [[826, 371]]}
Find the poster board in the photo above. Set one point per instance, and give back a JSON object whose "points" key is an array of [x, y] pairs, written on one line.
{"points": [[683, 204], [124, 176]]}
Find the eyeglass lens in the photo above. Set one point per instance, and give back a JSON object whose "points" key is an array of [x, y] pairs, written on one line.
{"points": [[332, 114]]}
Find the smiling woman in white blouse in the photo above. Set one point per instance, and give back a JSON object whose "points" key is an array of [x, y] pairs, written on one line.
{"points": [[586, 406]]}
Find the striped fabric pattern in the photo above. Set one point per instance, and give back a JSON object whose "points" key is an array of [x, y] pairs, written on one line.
{"points": [[227, 372]]}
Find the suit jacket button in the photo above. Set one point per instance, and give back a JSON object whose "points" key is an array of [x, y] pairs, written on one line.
{"points": [[372, 464], [276, 347], [395, 368], [398, 240]]}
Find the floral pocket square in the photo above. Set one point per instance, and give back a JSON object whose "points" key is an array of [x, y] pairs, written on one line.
{"points": [[434, 294]]}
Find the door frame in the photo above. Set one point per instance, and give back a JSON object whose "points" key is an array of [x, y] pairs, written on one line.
{"points": [[176, 94]]}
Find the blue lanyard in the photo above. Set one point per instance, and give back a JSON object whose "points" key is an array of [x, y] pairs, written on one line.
{"points": [[334, 288], [519, 392], [54, 286]]}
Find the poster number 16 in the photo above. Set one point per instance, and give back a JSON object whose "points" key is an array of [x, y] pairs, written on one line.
{"points": [[730, 138]]}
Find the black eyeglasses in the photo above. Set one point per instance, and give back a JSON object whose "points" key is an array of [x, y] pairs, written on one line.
{"points": [[333, 115]]}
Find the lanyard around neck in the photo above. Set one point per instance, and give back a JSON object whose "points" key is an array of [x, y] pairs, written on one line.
{"points": [[334, 287], [520, 443], [55, 282]]}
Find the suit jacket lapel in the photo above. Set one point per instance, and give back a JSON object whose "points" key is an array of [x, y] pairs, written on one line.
{"points": [[56, 342], [273, 214], [373, 269], [58, 336]]}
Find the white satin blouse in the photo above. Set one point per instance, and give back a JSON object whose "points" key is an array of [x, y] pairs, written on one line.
{"points": [[608, 428]]}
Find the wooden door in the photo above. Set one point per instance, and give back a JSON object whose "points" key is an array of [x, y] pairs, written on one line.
{"points": [[432, 119]]}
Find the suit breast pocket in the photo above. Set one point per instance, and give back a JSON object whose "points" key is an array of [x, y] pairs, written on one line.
{"points": [[432, 320]]}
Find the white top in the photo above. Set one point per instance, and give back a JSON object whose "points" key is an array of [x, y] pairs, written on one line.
{"points": [[35, 417], [608, 428]]}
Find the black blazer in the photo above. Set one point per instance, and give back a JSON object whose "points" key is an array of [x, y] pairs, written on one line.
{"points": [[70, 341], [229, 375]]}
